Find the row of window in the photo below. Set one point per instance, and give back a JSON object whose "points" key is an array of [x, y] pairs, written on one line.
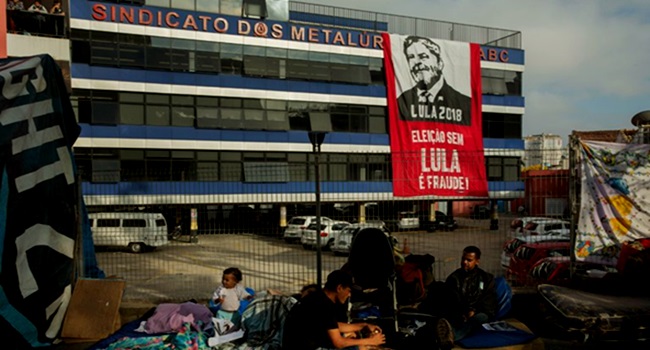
{"points": [[133, 165], [150, 52], [112, 165], [157, 53], [125, 223], [114, 108], [246, 8]]}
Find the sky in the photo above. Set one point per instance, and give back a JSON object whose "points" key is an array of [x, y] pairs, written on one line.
{"points": [[587, 62]]}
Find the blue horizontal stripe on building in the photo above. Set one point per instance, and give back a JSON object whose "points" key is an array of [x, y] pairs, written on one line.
{"points": [[203, 188], [146, 132]]}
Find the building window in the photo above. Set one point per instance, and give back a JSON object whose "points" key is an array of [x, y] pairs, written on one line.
{"points": [[503, 168], [104, 108], [337, 167], [231, 7], [501, 126], [500, 82], [158, 165], [105, 170], [207, 166], [379, 167], [297, 166], [230, 167], [131, 162], [254, 9]]}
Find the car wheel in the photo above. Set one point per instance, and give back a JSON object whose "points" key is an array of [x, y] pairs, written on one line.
{"points": [[329, 245], [306, 246], [136, 247]]}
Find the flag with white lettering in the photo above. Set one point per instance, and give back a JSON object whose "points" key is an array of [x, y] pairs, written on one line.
{"points": [[38, 201], [434, 111]]}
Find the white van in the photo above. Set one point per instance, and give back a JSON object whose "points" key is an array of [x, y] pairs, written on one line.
{"points": [[137, 231]]}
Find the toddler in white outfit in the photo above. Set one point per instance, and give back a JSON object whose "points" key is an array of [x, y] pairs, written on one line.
{"points": [[229, 294]]}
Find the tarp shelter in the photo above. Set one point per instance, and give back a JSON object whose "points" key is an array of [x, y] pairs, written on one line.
{"points": [[39, 203]]}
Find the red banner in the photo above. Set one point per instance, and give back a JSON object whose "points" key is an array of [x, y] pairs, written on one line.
{"points": [[434, 111]]}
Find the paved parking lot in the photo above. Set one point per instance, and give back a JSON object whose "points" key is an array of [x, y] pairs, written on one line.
{"points": [[183, 270]]}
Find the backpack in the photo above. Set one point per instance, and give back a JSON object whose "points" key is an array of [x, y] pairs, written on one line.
{"points": [[414, 277], [263, 321]]}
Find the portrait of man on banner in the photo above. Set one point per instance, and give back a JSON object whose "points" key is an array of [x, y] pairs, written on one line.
{"points": [[433, 90], [432, 96]]}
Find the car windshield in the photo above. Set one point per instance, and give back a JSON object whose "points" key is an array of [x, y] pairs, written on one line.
{"points": [[531, 226], [296, 221], [338, 227], [314, 227]]}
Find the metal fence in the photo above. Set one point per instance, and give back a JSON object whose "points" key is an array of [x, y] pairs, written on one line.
{"points": [[412, 26], [249, 234]]}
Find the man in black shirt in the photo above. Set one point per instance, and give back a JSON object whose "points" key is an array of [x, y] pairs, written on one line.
{"points": [[473, 299], [314, 322]]}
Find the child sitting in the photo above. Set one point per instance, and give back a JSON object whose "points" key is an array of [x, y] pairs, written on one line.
{"points": [[229, 294]]}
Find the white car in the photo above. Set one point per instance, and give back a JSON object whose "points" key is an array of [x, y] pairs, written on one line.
{"points": [[137, 231], [328, 233], [517, 225], [540, 227], [406, 220], [298, 224], [344, 240], [563, 235]]}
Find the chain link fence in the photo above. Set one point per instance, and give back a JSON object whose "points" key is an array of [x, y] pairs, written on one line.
{"points": [[242, 223]]}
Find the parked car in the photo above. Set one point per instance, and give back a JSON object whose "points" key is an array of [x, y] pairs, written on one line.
{"points": [[406, 220], [528, 254], [344, 240], [539, 227], [556, 270], [550, 236], [297, 225], [480, 212], [327, 232], [442, 222], [136, 231], [517, 225]]}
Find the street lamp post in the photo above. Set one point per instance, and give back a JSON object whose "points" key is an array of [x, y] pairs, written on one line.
{"points": [[316, 138]]}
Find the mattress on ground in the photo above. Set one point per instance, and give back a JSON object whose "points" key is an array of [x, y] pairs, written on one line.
{"points": [[598, 315]]}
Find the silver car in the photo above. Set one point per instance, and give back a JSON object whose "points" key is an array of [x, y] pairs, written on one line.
{"points": [[298, 224], [328, 233], [343, 242]]}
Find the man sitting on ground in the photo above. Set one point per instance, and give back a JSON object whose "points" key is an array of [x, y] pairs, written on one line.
{"points": [[314, 322], [473, 299]]}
